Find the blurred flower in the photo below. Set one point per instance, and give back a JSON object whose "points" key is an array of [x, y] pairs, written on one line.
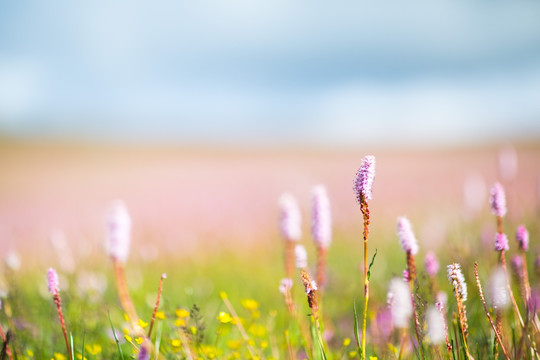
{"points": [[13, 261], [118, 231], [290, 221], [52, 278], [431, 263], [501, 242], [406, 236], [364, 179], [406, 276], [497, 200], [522, 237], [498, 291], [435, 326], [300, 256], [401, 303], [321, 221], [285, 285], [224, 317]]}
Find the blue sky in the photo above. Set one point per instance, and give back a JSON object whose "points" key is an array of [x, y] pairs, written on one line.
{"points": [[271, 71]]}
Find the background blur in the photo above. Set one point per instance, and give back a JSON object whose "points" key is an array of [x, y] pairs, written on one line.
{"points": [[200, 114]]}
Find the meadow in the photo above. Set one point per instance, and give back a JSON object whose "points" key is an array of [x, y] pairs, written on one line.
{"points": [[211, 239]]}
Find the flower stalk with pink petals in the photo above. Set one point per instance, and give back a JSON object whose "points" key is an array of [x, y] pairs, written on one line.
{"points": [[54, 289], [363, 191]]}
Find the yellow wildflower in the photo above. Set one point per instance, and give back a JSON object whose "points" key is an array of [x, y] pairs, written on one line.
{"points": [[93, 349], [142, 323], [161, 315], [176, 343], [182, 313], [250, 304], [58, 356], [180, 322], [224, 317], [346, 342]]}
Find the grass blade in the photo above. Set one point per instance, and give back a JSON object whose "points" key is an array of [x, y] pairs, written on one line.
{"points": [[356, 330], [116, 339]]}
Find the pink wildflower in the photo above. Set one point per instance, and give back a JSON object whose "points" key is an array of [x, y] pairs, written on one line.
{"points": [[290, 220], [497, 200], [52, 278], [432, 265], [522, 237], [321, 221], [406, 236], [364, 179], [501, 242]]}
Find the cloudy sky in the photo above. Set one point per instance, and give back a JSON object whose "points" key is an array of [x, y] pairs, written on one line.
{"points": [[276, 71]]}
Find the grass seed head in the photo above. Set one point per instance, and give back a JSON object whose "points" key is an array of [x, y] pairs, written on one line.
{"points": [[457, 280]]}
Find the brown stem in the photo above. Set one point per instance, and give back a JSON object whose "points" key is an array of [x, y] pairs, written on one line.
{"points": [[321, 267], [502, 261], [411, 268], [289, 258], [157, 305], [58, 303], [123, 293]]}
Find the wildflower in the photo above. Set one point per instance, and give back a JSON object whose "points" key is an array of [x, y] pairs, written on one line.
{"points": [[501, 242], [517, 264], [290, 221], [142, 323], [500, 298], [285, 285], [435, 326], [522, 237], [118, 231], [321, 221], [301, 256], [431, 263], [406, 236], [364, 179], [402, 308], [497, 200], [406, 275], [144, 354], [224, 317], [250, 304], [53, 281], [457, 280], [182, 313]]}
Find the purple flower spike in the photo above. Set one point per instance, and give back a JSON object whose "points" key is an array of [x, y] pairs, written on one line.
{"points": [[364, 179], [432, 264], [501, 242], [406, 236], [522, 237], [52, 278], [497, 200], [406, 276], [517, 263], [321, 221], [118, 231], [143, 353], [290, 221]]}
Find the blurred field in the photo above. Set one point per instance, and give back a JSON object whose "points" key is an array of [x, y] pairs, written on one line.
{"points": [[208, 217], [183, 199]]}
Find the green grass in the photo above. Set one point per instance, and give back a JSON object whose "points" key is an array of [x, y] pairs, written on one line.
{"points": [[195, 285]]}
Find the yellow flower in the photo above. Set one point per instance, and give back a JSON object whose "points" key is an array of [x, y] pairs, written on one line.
{"points": [[193, 330], [176, 343], [352, 354], [257, 330], [126, 317], [264, 344], [224, 318], [79, 356], [161, 315], [30, 353], [346, 342], [139, 340], [142, 323], [250, 304], [128, 338], [234, 344], [179, 322], [182, 313], [223, 295], [58, 356], [372, 358], [93, 349]]}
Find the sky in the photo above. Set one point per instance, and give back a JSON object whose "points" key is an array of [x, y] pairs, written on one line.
{"points": [[277, 72]]}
